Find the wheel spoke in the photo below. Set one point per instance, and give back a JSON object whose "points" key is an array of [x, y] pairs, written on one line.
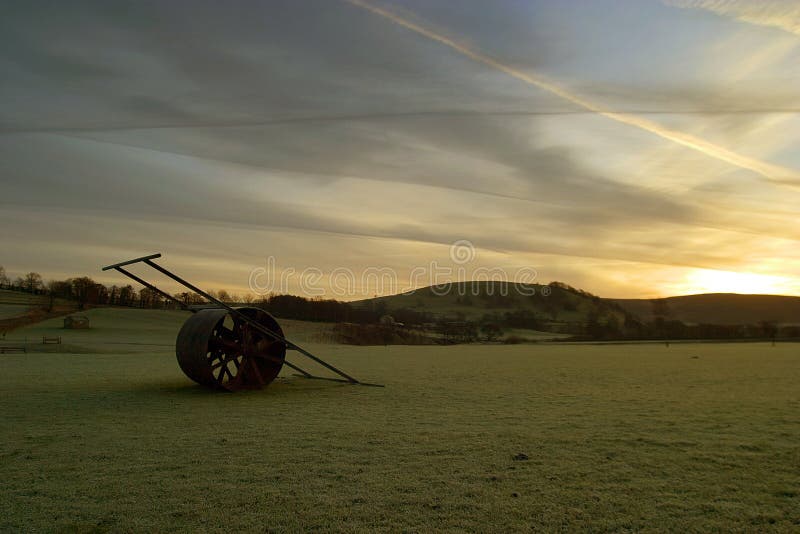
{"points": [[227, 344], [273, 359], [256, 371]]}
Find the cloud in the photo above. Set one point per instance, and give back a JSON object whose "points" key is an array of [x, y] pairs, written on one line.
{"points": [[774, 173], [326, 136], [580, 215], [780, 14]]}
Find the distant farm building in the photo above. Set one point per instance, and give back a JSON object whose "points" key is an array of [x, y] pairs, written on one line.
{"points": [[75, 322]]}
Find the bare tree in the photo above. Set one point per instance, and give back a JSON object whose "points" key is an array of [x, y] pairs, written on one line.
{"points": [[148, 298], [57, 288], [60, 288], [113, 295], [126, 295], [4, 281], [33, 282], [87, 291]]}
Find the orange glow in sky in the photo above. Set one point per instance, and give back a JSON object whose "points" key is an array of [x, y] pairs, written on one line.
{"points": [[714, 281]]}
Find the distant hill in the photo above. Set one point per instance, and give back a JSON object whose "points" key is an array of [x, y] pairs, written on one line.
{"points": [[567, 309], [719, 308], [555, 307]]}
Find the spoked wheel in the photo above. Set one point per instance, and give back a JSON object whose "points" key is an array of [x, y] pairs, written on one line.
{"points": [[220, 350]]}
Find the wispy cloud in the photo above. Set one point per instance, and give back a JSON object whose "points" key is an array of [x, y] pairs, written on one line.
{"points": [[782, 14], [343, 139], [774, 173]]}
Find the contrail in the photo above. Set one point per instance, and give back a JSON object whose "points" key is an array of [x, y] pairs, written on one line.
{"points": [[773, 173]]}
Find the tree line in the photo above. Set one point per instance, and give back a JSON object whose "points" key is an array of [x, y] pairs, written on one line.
{"points": [[84, 291], [605, 321]]}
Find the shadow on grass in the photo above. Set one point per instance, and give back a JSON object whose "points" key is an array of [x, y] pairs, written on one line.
{"points": [[282, 386], [156, 398]]}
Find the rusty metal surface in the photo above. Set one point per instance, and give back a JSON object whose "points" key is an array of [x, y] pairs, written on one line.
{"points": [[219, 350]]}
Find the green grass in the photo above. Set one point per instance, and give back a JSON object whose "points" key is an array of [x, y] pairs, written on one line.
{"points": [[21, 298], [620, 437], [18, 303], [125, 330], [7, 311], [112, 330]]}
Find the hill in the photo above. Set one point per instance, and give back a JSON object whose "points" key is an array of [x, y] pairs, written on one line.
{"points": [[555, 307], [718, 308], [559, 308]]}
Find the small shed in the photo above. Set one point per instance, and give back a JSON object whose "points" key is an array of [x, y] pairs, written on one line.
{"points": [[75, 322]]}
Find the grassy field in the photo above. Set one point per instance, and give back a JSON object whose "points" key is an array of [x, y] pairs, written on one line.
{"points": [[618, 438], [126, 330], [18, 303], [15, 303]]}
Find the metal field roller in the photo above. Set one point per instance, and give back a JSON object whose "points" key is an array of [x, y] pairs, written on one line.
{"points": [[219, 350], [230, 348]]}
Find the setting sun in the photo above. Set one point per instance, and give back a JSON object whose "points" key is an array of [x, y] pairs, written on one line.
{"points": [[714, 281]]}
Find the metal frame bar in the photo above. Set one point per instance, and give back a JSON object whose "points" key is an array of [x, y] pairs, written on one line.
{"points": [[343, 381], [254, 324], [129, 262], [150, 286]]}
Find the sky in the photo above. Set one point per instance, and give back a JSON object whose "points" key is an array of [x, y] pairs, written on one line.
{"points": [[636, 149]]}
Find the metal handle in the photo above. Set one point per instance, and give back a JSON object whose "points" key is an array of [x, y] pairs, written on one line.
{"points": [[137, 260]]}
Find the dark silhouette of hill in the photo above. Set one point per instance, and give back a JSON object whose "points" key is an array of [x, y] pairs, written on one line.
{"points": [[553, 306], [717, 308], [558, 302], [559, 308]]}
